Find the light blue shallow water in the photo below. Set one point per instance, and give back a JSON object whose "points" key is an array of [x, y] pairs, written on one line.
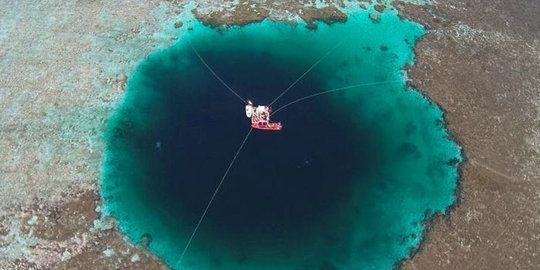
{"points": [[347, 184]]}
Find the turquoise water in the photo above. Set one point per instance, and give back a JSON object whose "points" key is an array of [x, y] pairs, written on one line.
{"points": [[347, 184]]}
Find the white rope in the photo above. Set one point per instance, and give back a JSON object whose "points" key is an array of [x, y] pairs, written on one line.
{"points": [[212, 198], [331, 91], [307, 71], [215, 74]]}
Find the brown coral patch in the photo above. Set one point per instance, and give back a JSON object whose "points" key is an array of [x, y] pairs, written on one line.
{"points": [[328, 15], [243, 14], [124, 256], [64, 221]]}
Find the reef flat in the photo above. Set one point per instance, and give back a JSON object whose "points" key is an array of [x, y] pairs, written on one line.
{"points": [[64, 65]]}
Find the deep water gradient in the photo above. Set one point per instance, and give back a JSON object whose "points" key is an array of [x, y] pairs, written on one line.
{"points": [[347, 183]]}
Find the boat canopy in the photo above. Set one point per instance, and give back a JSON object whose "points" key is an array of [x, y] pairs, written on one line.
{"points": [[260, 117]]}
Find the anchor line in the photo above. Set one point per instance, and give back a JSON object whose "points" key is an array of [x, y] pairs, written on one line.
{"points": [[331, 91], [213, 197], [306, 72], [215, 74]]}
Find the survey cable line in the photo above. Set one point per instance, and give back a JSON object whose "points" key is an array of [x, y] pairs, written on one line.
{"points": [[307, 71], [331, 91], [213, 197], [215, 74]]}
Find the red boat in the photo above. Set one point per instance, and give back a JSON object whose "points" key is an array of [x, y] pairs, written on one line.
{"points": [[260, 117]]}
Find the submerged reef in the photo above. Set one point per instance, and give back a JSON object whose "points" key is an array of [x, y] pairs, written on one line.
{"points": [[348, 182]]}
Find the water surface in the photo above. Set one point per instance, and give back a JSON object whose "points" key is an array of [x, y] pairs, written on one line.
{"points": [[347, 184]]}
